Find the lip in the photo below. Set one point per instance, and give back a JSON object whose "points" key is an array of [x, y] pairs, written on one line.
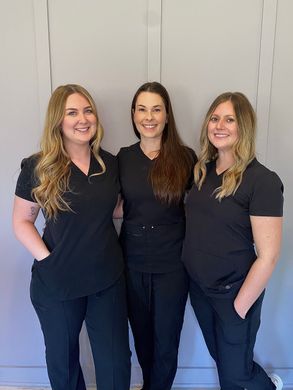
{"points": [[149, 126], [82, 129], [221, 135]]}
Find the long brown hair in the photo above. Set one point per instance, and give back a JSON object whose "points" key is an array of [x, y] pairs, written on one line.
{"points": [[243, 149], [53, 167], [172, 168]]}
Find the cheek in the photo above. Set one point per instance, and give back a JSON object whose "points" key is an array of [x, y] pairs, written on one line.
{"points": [[67, 123], [94, 121], [136, 120], [209, 133], [164, 118], [63, 124], [236, 134]]}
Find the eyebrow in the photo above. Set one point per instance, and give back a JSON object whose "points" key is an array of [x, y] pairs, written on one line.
{"points": [[76, 109], [234, 116], [142, 105]]}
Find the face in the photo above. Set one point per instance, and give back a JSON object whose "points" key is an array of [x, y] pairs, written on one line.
{"points": [[150, 115], [79, 122], [222, 127]]}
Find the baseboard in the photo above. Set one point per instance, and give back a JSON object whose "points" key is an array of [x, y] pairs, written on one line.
{"points": [[191, 378], [93, 388], [132, 388]]}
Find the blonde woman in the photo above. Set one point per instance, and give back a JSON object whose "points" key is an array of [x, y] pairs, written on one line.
{"points": [[78, 266], [234, 207]]}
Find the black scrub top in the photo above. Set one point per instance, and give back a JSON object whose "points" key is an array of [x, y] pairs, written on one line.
{"points": [[152, 231], [218, 248], [85, 256]]}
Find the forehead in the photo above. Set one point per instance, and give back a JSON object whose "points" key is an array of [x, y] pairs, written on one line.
{"points": [[76, 100], [149, 99], [225, 108]]}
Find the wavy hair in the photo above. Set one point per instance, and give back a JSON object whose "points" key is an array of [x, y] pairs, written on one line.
{"points": [[243, 149], [53, 166], [171, 170]]}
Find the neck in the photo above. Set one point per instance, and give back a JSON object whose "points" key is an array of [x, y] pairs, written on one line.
{"points": [[78, 152], [224, 161], [150, 146]]}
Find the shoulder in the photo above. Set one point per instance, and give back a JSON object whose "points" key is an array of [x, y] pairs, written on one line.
{"points": [[191, 153], [105, 155], [27, 166], [27, 180], [258, 174], [264, 189], [125, 151], [29, 163], [109, 160]]}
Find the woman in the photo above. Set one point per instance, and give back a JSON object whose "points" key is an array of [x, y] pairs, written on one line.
{"points": [[154, 175], [77, 273], [236, 203]]}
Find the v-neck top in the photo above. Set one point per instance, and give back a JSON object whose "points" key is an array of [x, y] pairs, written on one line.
{"points": [[219, 249], [140, 203], [85, 253], [152, 231]]}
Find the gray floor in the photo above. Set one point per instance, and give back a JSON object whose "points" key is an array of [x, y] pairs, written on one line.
{"points": [[133, 388]]}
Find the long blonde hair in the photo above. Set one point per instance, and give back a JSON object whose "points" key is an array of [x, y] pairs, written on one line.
{"points": [[243, 149], [53, 167]]}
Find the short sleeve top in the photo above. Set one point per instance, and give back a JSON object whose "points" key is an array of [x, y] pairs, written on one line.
{"points": [[219, 248], [152, 231], [85, 252]]}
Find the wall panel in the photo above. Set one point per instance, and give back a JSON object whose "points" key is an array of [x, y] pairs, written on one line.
{"points": [[198, 49], [209, 47], [104, 47], [279, 153], [20, 130]]}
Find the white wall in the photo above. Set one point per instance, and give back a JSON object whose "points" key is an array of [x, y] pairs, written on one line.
{"points": [[198, 49]]}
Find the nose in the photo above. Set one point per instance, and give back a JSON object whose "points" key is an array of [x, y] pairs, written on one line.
{"points": [[149, 115], [220, 123], [82, 117]]}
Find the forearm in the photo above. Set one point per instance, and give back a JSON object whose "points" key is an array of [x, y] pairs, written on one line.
{"points": [[29, 236], [118, 211], [254, 284]]}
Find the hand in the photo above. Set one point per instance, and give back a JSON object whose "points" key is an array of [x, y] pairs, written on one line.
{"points": [[44, 256], [240, 311]]}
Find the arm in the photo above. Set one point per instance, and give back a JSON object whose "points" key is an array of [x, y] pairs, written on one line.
{"points": [[118, 211], [24, 215], [267, 233]]}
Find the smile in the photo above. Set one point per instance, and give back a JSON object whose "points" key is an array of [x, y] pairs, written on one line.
{"points": [[82, 129], [149, 126], [221, 135]]}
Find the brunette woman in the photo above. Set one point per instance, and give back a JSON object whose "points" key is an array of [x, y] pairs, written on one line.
{"points": [[155, 174]]}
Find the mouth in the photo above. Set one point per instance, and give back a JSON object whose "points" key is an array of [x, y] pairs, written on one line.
{"points": [[149, 126], [220, 135], [82, 129]]}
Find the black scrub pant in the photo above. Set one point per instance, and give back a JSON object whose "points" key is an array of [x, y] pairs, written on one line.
{"points": [[105, 316], [156, 304], [230, 340]]}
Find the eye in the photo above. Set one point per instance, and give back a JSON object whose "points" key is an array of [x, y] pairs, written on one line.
{"points": [[140, 109], [156, 110], [71, 113], [89, 111], [213, 119], [230, 120]]}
